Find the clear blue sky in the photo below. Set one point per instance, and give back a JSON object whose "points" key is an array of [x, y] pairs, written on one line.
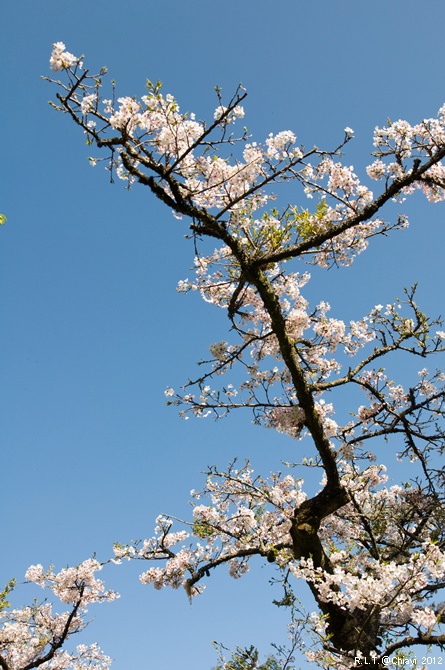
{"points": [[92, 330]]}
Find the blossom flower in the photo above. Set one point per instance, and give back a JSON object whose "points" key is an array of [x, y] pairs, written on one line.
{"points": [[88, 102], [288, 420], [277, 145], [236, 113], [424, 617], [61, 59], [219, 350]]}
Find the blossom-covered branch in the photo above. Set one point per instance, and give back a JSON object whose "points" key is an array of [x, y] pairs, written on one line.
{"points": [[35, 636], [372, 553]]}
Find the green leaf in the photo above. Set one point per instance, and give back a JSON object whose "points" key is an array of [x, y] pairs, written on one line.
{"points": [[4, 604]]}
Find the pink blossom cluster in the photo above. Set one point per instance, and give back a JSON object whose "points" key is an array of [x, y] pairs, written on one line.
{"points": [[227, 115], [324, 344], [399, 590], [73, 584], [248, 515], [403, 141], [245, 513], [215, 181], [289, 420], [391, 587], [234, 183], [35, 635], [212, 180], [61, 59]]}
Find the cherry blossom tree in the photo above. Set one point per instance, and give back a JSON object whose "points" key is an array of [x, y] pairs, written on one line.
{"points": [[370, 551], [36, 636]]}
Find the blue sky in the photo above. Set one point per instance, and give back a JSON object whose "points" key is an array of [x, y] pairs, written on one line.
{"points": [[92, 327]]}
